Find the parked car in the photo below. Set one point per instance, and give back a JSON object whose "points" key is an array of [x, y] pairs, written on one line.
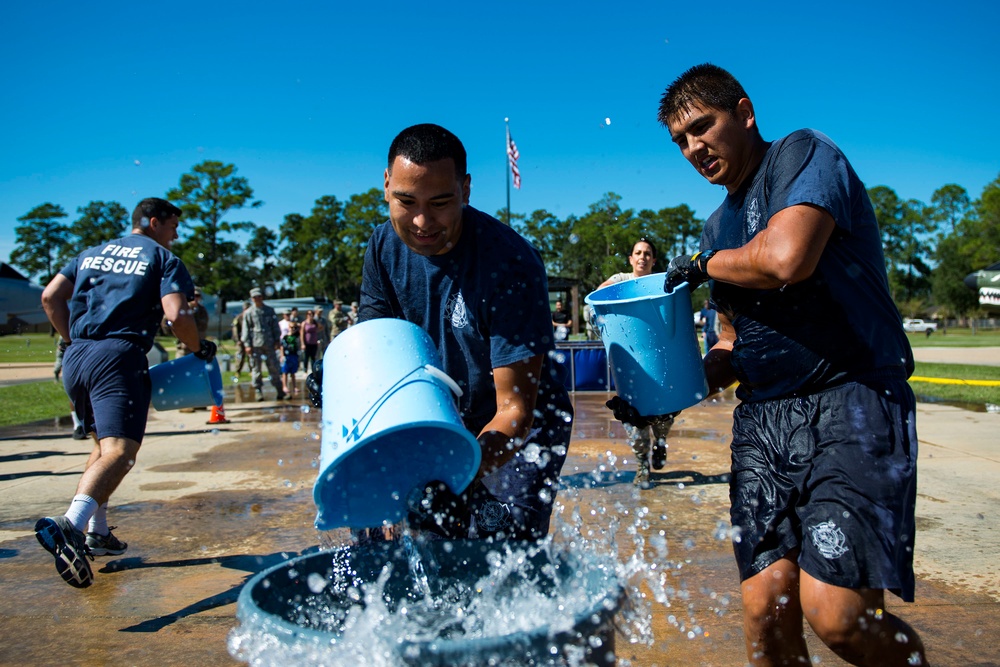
{"points": [[919, 326]]}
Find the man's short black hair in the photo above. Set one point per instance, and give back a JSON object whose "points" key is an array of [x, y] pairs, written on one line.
{"points": [[706, 85], [153, 207], [427, 142]]}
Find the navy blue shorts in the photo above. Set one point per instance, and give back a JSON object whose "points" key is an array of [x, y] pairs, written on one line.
{"points": [[520, 494], [108, 383], [832, 474]]}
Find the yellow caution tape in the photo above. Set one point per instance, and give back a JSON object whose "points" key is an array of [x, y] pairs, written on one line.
{"points": [[976, 383]]}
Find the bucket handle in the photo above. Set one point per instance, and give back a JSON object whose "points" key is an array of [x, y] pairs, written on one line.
{"points": [[444, 377], [433, 371]]}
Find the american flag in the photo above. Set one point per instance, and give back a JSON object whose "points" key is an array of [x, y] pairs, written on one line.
{"points": [[512, 156]]}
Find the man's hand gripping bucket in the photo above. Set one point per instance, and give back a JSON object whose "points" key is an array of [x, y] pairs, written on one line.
{"points": [[390, 424]]}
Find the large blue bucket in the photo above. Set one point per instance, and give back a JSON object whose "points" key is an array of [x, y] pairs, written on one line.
{"points": [[652, 347], [390, 423], [186, 382]]}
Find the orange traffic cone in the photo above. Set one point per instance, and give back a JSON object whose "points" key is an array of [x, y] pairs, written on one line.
{"points": [[218, 415]]}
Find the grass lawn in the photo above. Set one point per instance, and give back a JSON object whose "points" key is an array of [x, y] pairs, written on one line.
{"points": [[956, 337]]}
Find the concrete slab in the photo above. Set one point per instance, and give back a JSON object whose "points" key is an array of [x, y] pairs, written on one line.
{"points": [[206, 507]]}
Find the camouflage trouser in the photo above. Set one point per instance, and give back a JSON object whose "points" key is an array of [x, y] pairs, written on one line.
{"points": [[641, 439], [260, 356]]}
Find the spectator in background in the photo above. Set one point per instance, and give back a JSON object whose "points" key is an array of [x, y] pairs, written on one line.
{"points": [[290, 345], [561, 322], [237, 326], [310, 342], [322, 333], [339, 320], [353, 316], [709, 325], [261, 337]]}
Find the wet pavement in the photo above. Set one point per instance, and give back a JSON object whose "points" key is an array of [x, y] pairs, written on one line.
{"points": [[207, 506]]}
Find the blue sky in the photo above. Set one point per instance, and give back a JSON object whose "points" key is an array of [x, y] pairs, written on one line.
{"points": [[115, 100]]}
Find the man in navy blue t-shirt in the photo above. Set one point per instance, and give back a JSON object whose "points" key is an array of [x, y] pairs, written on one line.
{"points": [[107, 304], [480, 291], [824, 451]]}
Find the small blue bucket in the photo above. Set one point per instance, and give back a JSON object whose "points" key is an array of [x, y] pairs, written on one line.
{"points": [[390, 423], [186, 382], [652, 347]]}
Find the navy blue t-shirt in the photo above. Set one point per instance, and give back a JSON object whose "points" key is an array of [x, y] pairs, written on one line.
{"points": [[118, 286], [484, 304], [839, 324]]}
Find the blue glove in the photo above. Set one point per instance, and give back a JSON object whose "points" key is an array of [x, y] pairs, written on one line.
{"points": [[206, 350], [692, 270]]}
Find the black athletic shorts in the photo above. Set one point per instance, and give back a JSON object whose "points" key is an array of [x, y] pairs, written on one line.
{"points": [[108, 383], [832, 474]]}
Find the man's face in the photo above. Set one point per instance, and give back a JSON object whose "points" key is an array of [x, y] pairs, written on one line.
{"points": [[717, 143], [425, 204], [164, 231], [258, 300]]}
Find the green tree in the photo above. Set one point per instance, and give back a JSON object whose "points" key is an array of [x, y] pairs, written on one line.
{"points": [[263, 248], [98, 222], [362, 214], [206, 195], [907, 228], [950, 203], [40, 241], [547, 233]]}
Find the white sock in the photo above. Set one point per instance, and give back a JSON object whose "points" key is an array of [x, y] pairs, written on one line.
{"points": [[76, 420], [99, 522], [80, 510]]}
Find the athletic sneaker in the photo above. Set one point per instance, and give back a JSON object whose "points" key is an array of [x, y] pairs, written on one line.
{"points": [[659, 455], [79, 433], [69, 546], [105, 545]]}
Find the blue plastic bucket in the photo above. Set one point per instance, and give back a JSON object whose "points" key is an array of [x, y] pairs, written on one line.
{"points": [[294, 612], [652, 347], [390, 423], [186, 382]]}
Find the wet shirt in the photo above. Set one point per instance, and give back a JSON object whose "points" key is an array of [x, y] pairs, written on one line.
{"points": [[117, 287], [838, 325], [484, 304]]}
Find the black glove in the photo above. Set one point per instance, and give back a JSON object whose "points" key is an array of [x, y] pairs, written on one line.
{"points": [[625, 413], [206, 351], [314, 385], [434, 508], [692, 270]]}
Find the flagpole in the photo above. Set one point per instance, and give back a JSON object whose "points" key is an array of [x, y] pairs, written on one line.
{"points": [[507, 165]]}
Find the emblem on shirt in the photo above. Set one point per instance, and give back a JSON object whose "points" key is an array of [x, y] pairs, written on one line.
{"points": [[493, 515], [753, 217], [455, 310], [828, 539]]}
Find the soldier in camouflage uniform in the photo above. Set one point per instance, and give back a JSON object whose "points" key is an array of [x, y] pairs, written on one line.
{"points": [[261, 338]]}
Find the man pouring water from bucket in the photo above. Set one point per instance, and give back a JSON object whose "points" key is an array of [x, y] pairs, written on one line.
{"points": [[478, 290]]}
